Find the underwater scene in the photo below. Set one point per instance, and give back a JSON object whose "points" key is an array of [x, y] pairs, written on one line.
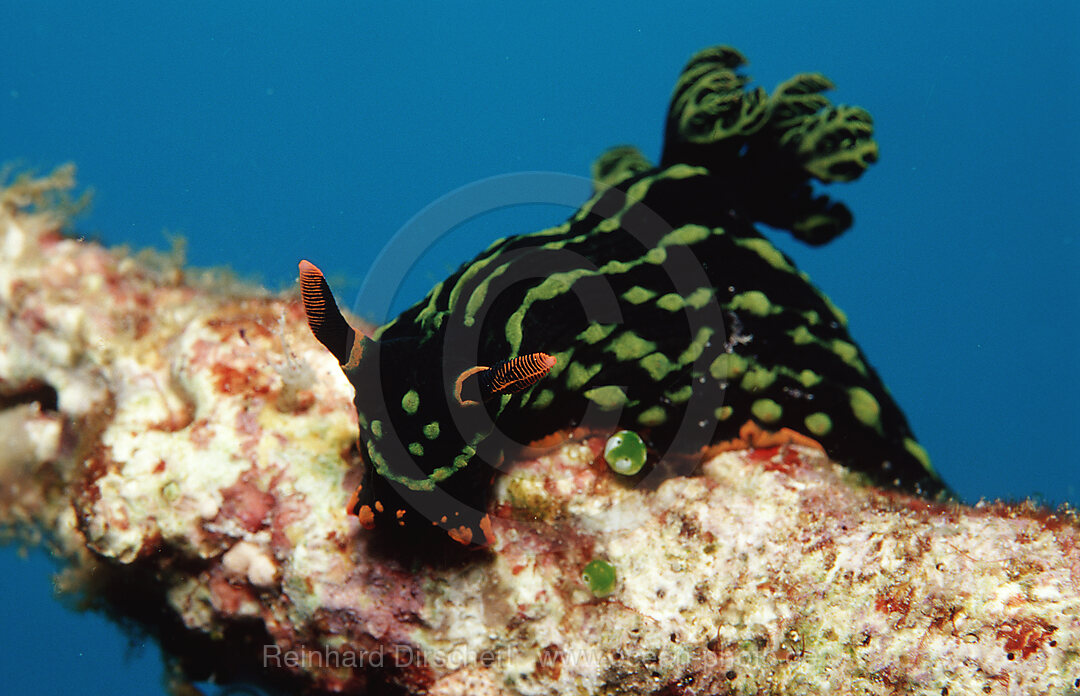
{"points": [[881, 204]]}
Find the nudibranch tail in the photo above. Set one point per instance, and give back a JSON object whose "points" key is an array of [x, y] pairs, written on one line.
{"points": [[324, 318]]}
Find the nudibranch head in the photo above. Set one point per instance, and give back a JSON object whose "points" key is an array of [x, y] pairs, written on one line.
{"points": [[657, 309]]}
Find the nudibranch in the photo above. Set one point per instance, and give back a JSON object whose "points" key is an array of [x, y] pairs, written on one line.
{"points": [[657, 308]]}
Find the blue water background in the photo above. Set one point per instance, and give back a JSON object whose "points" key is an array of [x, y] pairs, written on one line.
{"points": [[264, 133]]}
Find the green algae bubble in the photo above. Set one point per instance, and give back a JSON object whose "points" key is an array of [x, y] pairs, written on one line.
{"points": [[625, 453], [600, 577]]}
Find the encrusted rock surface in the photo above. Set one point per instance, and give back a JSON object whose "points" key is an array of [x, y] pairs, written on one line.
{"points": [[193, 447]]}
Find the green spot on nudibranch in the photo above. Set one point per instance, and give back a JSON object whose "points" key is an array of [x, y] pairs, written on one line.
{"points": [[757, 379], [699, 298], [550, 288], [685, 171], [809, 378], [656, 255], [460, 462], [379, 331], [840, 316], [865, 407], [696, 347], [753, 301], [562, 361], [559, 283], [416, 449], [652, 416], [543, 399], [376, 429], [657, 365], [428, 483], [497, 242], [596, 332], [766, 410], [609, 397], [818, 424], [431, 430], [671, 302], [599, 576], [728, 366], [681, 395], [410, 402], [847, 351], [639, 190], [466, 278], [563, 228], [638, 295], [629, 346], [479, 294], [723, 412], [427, 313], [608, 224], [625, 452], [773, 256], [916, 450], [687, 234], [802, 336], [577, 375]]}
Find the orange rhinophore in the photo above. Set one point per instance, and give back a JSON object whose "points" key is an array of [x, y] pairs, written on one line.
{"points": [[508, 377], [324, 317], [514, 375]]}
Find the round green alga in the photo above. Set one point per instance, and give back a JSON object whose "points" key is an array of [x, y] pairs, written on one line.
{"points": [[599, 575], [625, 452]]}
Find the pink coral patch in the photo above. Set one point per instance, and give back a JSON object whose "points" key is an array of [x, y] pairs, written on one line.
{"points": [[246, 503]]}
